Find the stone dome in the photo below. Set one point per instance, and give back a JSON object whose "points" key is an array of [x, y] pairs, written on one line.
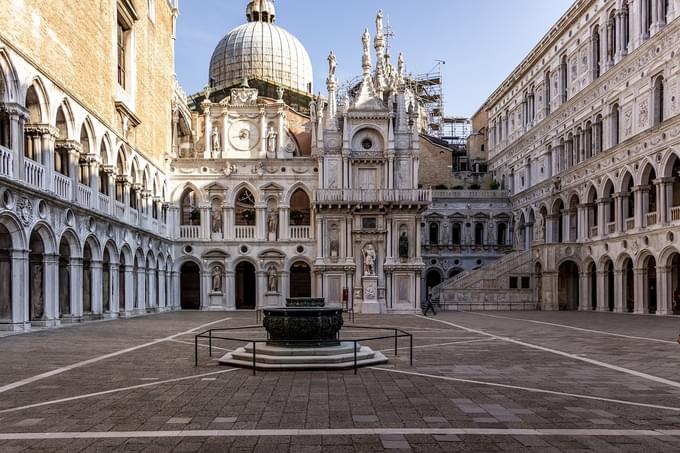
{"points": [[261, 50]]}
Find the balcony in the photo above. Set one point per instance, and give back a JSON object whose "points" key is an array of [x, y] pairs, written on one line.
{"points": [[120, 210], [244, 232], [651, 218], [104, 202], [300, 232], [594, 231], [189, 231], [34, 174], [630, 223], [84, 195], [6, 162], [62, 186], [611, 227], [373, 197], [675, 213]]}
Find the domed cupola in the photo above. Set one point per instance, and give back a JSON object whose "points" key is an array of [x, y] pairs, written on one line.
{"points": [[263, 53], [261, 11]]}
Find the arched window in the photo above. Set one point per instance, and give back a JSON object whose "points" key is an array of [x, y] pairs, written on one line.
{"points": [[616, 124], [455, 234], [300, 209], [434, 233], [32, 148], [597, 53], [245, 208], [103, 177], [190, 215], [611, 37], [84, 173], [564, 79], [658, 103], [502, 233], [479, 233], [547, 99], [120, 181]]}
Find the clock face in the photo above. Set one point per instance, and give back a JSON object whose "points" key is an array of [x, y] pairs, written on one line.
{"points": [[243, 135]]}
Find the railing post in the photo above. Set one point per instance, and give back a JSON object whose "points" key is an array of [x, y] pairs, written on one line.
{"points": [[196, 351], [254, 353], [396, 351], [210, 342], [355, 357], [410, 337]]}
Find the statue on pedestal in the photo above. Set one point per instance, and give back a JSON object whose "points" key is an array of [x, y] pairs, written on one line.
{"points": [[273, 222], [335, 242], [216, 145], [272, 280], [216, 221], [332, 66], [217, 279], [272, 140], [369, 260], [403, 245], [379, 22]]}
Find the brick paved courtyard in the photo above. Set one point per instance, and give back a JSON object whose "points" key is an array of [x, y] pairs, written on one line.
{"points": [[480, 382]]}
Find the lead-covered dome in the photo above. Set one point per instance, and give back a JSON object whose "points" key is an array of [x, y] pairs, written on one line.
{"points": [[261, 50]]}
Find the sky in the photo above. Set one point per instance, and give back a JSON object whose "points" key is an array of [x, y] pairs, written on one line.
{"points": [[481, 41]]}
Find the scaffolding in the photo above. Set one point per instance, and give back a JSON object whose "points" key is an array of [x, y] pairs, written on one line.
{"points": [[428, 88]]}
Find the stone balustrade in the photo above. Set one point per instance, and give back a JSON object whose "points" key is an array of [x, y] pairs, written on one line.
{"points": [[6, 162], [34, 174], [300, 232], [244, 232], [373, 196]]}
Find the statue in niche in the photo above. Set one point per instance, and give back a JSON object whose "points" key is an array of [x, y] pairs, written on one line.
{"points": [[272, 137], [369, 260], [279, 93], [272, 221], [216, 145], [216, 221], [332, 66], [217, 279], [335, 242], [403, 245], [540, 230], [272, 280]]}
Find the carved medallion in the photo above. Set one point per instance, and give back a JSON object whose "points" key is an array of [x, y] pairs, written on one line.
{"points": [[24, 210]]}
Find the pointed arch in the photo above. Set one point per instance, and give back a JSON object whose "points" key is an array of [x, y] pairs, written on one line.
{"points": [[37, 103], [8, 79], [64, 120], [244, 185]]}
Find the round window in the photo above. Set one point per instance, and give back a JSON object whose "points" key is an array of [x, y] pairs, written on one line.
{"points": [[367, 143]]}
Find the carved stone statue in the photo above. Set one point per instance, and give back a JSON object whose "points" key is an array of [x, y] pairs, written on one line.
{"points": [[217, 279], [335, 242], [272, 137], [540, 229], [401, 65], [379, 22], [273, 222], [216, 145], [312, 111], [332, 65], [369, 260], [403, 245], [366, 39], [216, 221], [272, 280]]}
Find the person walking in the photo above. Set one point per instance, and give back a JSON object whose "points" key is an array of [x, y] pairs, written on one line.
{"points": [[428, 303]]}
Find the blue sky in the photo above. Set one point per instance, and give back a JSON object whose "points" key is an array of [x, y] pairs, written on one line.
{"points": [[482, 41]]}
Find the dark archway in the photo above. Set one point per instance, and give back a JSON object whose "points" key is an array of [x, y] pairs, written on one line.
{"points": [[121, 283], [36, 278], [87, 279], [300, 280], [190, 286], [610, 286], [567, 284], [650, 285], [592, 282], [5, 273], [64, 278], [455, 271], [629, 285], [246, 290], [106, 282], [432, 279]]}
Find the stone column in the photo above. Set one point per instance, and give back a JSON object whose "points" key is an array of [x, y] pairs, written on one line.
{"points": [[662, 205], [160, 297], [602, 288], [51, 278], [618, 211], [602, 205], [153, 297], [76, 270], [141, 287], [97, 270], [205, 221], [229, 223], [48, 139], [130, 275], [261, 283], [114, 304], [664, 293], [619, 293], [208, 129], [639, 280], [17, 118], [261, 223], [585, 303], [19, 288], [230, 286], [284, 223]]}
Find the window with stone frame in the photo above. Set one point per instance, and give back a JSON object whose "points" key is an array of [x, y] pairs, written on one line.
{"points": [[122, 38], [125, 19], [245, 208], [658, 100]]}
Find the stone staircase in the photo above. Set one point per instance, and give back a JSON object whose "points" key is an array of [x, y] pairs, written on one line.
{"points": [[488, 288]]}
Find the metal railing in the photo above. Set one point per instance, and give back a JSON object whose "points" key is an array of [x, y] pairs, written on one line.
{"points": [[397, 333], [488, 306]]}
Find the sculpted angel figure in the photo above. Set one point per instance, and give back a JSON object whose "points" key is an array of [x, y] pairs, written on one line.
{"points": [[332, 65], [369, 260], [379, 22]]}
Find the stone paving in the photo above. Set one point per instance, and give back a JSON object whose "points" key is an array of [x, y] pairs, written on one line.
{"points": [[513, 381]]}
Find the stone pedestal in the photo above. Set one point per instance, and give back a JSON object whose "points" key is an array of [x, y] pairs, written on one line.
{"points": [[272, 299], [370, 304], [216, 301]]}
